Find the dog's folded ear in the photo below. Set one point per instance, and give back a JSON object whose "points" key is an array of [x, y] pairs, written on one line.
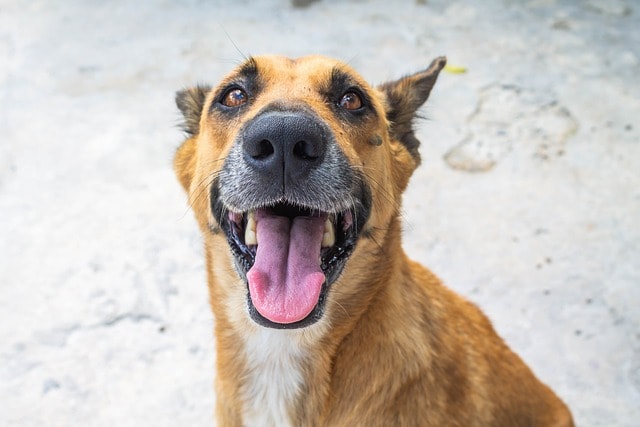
{"points": [[190, 102], [403, 98]]}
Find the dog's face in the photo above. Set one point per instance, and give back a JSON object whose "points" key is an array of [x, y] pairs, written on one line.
{"points": [[295, 170]]}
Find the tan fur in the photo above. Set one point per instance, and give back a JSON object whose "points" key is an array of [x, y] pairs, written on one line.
{"points": [[395, 347]]}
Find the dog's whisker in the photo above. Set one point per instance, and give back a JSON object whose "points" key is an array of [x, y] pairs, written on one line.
{"points": [[383, 192], [203, 187], [342, 307]]}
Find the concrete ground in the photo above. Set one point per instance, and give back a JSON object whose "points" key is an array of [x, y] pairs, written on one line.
{"points": [[527, 202]]}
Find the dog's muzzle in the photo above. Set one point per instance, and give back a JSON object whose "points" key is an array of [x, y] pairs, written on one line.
{"points": [[292, 208]]}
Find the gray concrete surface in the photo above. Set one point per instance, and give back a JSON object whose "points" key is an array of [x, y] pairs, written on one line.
{"points": [[527, 202]]}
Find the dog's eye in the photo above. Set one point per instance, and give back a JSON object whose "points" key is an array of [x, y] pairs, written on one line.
{"points": [[235, 98], [351, 101]]}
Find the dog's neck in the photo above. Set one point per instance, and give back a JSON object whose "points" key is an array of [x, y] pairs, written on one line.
{"points": [[274, 378], [283, 368]]}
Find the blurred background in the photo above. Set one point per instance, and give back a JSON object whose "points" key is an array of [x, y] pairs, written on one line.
{"points": [[527, 201]]}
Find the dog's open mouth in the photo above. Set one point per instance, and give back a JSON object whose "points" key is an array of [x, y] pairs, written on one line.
{"points": [[290, 256]]}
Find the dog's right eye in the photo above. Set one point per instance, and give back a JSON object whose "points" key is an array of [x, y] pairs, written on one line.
{"points": [[234, 98], [351, 101]]}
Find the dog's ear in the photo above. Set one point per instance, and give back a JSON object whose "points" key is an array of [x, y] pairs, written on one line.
{"points": [[404, 97], [190, 102]]}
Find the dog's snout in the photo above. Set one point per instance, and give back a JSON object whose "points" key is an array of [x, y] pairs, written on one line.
{"points": [[284, 146]]}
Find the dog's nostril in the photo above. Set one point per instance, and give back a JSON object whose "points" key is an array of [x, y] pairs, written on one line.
{"points": [[283, 146], [305, 151], [261, 150]]}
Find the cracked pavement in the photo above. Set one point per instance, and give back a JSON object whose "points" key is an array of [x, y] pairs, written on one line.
{"points": [[527, 201]]}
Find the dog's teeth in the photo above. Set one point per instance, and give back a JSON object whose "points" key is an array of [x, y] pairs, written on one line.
{"points": [[329, 236], [250, 236]]}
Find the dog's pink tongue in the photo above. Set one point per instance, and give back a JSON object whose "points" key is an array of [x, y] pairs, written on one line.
{"points": [[286, 279]]}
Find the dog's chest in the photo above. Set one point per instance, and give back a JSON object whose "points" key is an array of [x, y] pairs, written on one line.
{"points": [[274, 379]]}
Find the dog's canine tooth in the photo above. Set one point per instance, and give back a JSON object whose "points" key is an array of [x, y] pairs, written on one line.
{"points": [[329, 236], [250, 236]]}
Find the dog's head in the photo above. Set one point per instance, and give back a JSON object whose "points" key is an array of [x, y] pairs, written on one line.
{"points": [[295, 170]]}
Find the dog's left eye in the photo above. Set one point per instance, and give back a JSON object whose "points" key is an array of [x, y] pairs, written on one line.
{"points": [[351, 101], [234, 98]]}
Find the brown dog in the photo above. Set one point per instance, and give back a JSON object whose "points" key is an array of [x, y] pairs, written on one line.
{"points": [[295, 170]]}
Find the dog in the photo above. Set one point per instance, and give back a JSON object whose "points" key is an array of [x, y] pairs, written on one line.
{"points": [[295, 170]]}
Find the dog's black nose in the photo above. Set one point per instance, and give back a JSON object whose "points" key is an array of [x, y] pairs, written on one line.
{"points": [[284, 146]]}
